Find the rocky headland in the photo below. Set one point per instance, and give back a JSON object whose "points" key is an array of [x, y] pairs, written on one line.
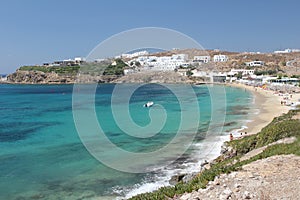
{"points": [[38, 77]]}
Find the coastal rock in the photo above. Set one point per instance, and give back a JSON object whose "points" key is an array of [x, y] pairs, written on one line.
{"points": [[186, 196], [246, 195], [205, 162], [226, 194], [176, 179], [228, 152], [230, 123], [38, 77], [188, 177], [202, 190], [207, 166]]}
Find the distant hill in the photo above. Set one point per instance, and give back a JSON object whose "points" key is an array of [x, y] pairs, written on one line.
{"points": [[286, 63], [110, 70]]}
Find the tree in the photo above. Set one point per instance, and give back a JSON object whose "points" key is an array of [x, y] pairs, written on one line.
{"points": [[258, 73], [137, 63], [239, 75], [117, 69], [189, 73]]}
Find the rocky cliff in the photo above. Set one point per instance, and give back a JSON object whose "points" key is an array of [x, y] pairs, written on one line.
{"points": [[38, 77]]}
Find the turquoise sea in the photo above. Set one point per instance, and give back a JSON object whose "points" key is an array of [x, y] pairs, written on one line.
{"points": [[42, 156]]}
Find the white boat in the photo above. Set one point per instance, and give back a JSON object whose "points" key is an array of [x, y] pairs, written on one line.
{"points": [[149, 104]]}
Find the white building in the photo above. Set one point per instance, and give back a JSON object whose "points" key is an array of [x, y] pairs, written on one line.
{"points": [[136, 54], [295, 50], [220, 58], [79, 60], [169, 63], [255, 63], [244, 72], [3, 77], [211, 76], [202, 59], [284, 51], [164, 63], [288, 51], [284, 80], [180, 56], [128, 71], [182, 72]]}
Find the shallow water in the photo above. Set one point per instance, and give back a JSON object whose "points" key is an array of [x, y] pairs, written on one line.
{"points": [[42, 156]]}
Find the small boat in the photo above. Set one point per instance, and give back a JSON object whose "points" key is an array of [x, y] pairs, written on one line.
{"points": [[149, 104]]}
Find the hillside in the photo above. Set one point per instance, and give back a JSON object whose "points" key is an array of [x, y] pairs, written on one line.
{"points": [[276, 62], [285, 64]]}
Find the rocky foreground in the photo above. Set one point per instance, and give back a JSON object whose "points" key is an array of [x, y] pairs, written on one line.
{"points": [[276, 177]]}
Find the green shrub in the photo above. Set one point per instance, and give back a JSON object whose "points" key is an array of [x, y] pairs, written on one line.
{"points": [[66, 70], [117, 69]]}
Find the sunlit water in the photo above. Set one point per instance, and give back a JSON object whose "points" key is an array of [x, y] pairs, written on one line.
{"points": [[42, 156]]}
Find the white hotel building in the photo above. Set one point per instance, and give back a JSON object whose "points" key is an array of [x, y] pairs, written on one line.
{"points": [[202, 59], [255, 64], [244, 72], [220, 58], [132, 55], [164, 63]]}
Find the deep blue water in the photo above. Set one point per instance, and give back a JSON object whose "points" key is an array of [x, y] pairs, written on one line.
{"points": [[43, 157]]}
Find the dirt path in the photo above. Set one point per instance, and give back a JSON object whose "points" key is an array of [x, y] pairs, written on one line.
{"points": [[260, 150]]}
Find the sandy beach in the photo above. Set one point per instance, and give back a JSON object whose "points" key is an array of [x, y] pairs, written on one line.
{"points": [[269, 105]]}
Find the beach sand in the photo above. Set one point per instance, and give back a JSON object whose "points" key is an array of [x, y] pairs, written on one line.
{"points": [[268, 104]]}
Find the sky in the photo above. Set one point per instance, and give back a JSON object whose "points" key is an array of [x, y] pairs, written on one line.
{"points": [[38, 31]]}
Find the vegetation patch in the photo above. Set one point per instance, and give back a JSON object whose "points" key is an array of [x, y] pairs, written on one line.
{"points": [[72, 70], [116, 68]]}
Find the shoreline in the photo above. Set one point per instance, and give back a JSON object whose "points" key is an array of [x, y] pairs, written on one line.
{"points": [[237, 184], [267, 103], [203, 162], [269, 106]]}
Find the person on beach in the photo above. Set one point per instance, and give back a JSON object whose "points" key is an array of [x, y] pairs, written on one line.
{"points": [[231, 137]]}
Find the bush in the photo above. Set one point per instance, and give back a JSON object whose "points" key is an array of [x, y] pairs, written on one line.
{"points": [[117, 69], [72, 70], [281, 127]]}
